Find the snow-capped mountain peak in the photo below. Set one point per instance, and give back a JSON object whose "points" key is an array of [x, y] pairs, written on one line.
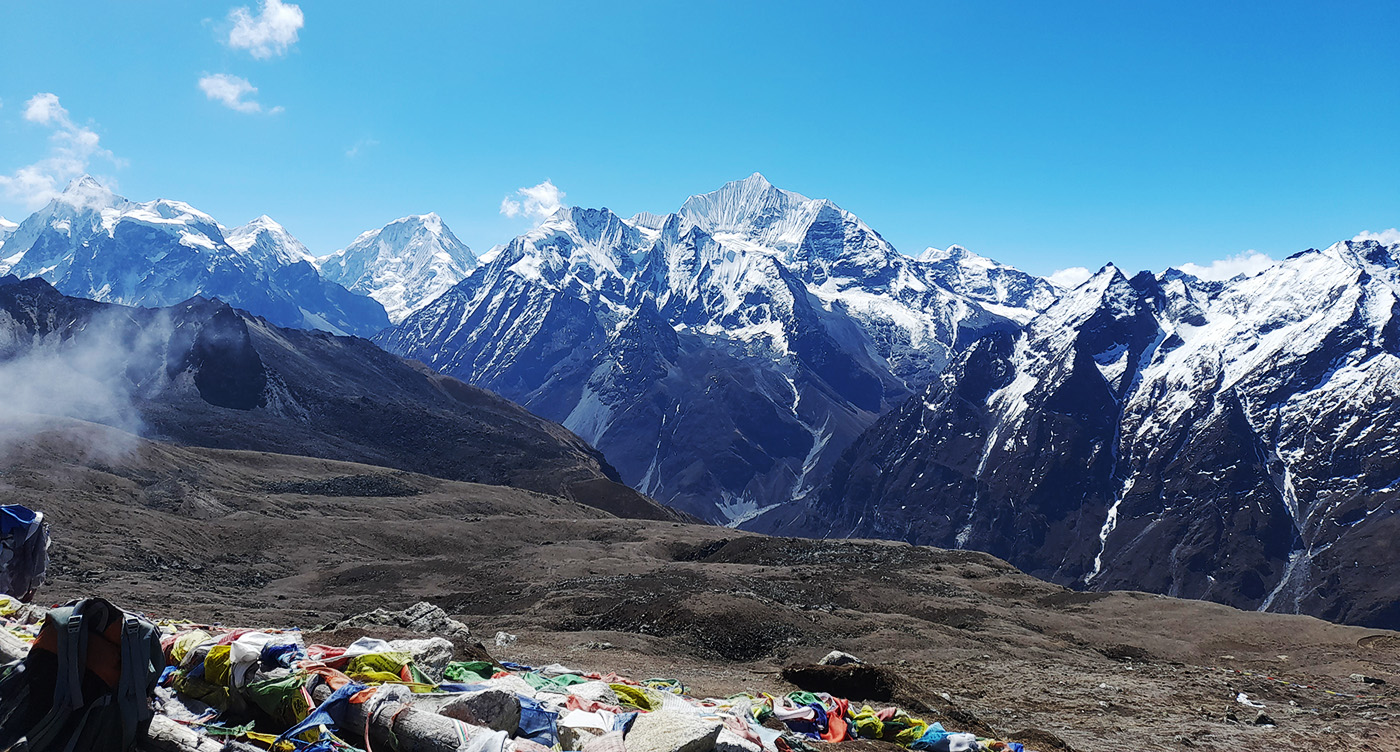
{"points": [[1011, 292], [404, 265], [262, 221], [265, 239], [648, 221], [1229, 440], [1107, 289], [809, 321], [84, 192], [1372, 256], [754, 214], [598, 226], [952, 252], [593, 248]]}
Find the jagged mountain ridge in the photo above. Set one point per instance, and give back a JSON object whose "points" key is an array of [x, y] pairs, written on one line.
{"points": [[1227, 441], [404, 265], [92, 243], [722, 355]]}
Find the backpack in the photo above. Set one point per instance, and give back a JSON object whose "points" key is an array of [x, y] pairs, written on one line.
{"points": [[86, 683], [24, 543]]}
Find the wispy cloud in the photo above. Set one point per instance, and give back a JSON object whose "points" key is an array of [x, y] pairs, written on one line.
{"points": [[1219, 270], [1385, 237], [72, 149], [536, 201], [268, 34], [88, 377], [1070, 278], [234, 93], [360, 146]]}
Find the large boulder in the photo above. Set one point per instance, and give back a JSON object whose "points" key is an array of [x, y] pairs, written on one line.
{"points": [[671, 731], [430, 654], [494, 709], [838, 658], [420, 617]]}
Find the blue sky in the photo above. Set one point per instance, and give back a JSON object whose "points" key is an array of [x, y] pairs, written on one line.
{"points": [[1046, 135]]}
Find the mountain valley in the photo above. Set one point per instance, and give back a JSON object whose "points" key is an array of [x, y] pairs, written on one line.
{"points": [[763, 360]]}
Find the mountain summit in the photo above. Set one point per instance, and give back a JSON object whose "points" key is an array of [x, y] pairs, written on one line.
{"points": [[722, 355], [403, 265], [266, 241]]}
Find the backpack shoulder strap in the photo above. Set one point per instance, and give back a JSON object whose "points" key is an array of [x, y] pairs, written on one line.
{"points": [[70, 631], [137, 667], [70, 642]]}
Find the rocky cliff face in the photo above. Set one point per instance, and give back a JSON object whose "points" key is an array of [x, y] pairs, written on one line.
{"points": [[1233, 442]]}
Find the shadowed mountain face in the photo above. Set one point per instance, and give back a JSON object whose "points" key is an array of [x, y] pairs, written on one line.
{"points": [[1233, 442], [204, 374], [723, 355]]}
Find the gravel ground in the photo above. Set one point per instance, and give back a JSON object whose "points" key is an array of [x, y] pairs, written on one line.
{"points": [[255, 539]]}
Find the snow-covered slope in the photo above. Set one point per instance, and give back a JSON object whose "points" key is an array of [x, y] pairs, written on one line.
{"points": [[720, 356], [1231, 441], [404, 265], [7, 228], [1004, 289], [89, 242]]}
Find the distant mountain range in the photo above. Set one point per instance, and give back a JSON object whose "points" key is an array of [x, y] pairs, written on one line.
{"points": [[1237, 441], [91, 243], [761, 359]]}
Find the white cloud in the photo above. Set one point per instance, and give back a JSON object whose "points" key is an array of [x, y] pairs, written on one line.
{"points": [[268, 34], [1219, 270], [72, 148], [231, 90], [1070, 278], [360, 146], [44, 109], [537, 201], [1385, 237]]}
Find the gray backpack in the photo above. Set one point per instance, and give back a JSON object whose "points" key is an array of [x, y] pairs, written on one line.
{"points": [[86, 683]]}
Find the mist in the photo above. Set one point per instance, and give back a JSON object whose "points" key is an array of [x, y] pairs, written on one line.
{"points": [[92, 371]]}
